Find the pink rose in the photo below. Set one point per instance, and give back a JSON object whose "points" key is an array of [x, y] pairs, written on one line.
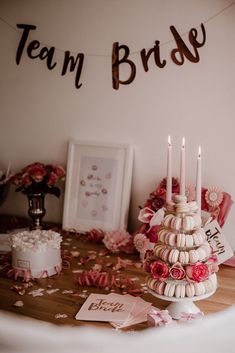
{"points": [[159, 270], [212, 264], [198, 272], [177, 271]]}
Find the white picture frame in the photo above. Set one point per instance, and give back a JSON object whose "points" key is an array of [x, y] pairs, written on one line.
{"points": [[98, 186]]}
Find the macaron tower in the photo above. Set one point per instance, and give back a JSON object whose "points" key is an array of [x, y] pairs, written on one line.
{"points": [[181, 264]]}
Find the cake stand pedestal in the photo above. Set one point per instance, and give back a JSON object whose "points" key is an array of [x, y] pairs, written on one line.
{"points": [[181, 305]]}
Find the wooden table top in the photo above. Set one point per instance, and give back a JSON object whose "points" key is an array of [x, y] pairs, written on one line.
{"points": [[46, 307]]}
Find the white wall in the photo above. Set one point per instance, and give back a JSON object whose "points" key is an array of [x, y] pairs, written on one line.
{"points": [[41, 111]]}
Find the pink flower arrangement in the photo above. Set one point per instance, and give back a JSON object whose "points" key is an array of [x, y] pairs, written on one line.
{"points": [[159, 270], [118, 240], [197, 272], [177, 271], [38, 177]]}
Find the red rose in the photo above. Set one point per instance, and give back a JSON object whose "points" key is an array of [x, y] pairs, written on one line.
{"points": [[159, 270], [59, 171], [17, 179], [161, 192], [198, 272], [152, 234], [37, 172], [177, 271], [52, 179], [175, 185]]}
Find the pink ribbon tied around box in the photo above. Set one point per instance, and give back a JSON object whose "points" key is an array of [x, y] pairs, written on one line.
{"points": [[159, 318]]}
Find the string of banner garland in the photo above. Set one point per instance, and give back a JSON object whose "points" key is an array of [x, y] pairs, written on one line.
{"points": [[35, 49]]}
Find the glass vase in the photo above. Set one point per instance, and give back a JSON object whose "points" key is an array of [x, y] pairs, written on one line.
{"points": [[36, 209]]}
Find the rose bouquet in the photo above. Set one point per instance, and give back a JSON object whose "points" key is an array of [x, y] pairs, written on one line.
{"points": [[39, 178]]}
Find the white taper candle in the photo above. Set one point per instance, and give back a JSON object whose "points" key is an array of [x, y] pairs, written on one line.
{"points": [[182, 168], [169, 172], [199, 180]]}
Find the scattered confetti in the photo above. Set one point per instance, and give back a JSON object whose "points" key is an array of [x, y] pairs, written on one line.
{"points": [[37, 292], [92, 252], [83, 295], [61, 316], [18, 303], [97, 267], [51, 291], [66, 243], [138, 265], [135, 278], [75, 253], [77, 271], [67, 291], [18, 289]]}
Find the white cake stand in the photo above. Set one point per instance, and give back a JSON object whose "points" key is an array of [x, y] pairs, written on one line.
{"points": [[181, 305]]}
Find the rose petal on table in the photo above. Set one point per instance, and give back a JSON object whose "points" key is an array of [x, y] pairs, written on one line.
{"points": [[53, 290], [37, 292], [75, 253], [103, 252], [18, 289], [61, 316], [18, 303], [138, 264], [28, 285], [77, 271], [92, 252], [67, 291], [97, 267]]}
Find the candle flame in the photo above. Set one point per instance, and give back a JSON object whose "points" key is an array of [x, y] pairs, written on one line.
{"points": [[169, 140], [183, 142], [199, 151]]}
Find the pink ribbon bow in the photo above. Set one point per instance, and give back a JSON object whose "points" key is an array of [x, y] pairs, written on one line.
{"points": [[147, 215]]}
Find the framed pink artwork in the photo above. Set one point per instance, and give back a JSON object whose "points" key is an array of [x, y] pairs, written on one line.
{"points": [[98, 185]]}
